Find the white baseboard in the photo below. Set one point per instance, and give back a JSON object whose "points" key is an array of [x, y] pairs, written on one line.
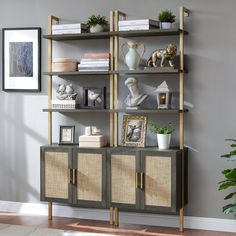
{"points": [[204, 223]]}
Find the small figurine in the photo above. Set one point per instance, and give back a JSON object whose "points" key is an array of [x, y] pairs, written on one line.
{"points": [[66, 92], [167, 54]]}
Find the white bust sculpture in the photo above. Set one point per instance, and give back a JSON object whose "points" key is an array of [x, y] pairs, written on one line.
{"points": [[135, 98]]}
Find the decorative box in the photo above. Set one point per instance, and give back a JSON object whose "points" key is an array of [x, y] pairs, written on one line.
{"points": [[92, 141], [64, 64], [65, 104]]}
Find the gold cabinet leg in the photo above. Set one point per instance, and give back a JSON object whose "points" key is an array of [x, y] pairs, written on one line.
{"points": [[116, 217], [111, 216], [181, 220], [50, 210]]}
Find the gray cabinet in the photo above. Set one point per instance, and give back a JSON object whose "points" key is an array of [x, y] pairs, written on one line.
{"points": [[146, 180], [89, 189], [76, 176], [130, 179], [55, 168], [123, 169]]}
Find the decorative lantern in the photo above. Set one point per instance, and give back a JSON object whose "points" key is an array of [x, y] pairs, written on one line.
{"points": [[163, 96]]}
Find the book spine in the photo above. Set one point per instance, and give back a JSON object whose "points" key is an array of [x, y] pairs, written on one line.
{"points": [[138, 22], [95, 60], [67, 31], [68, 26], [93, 69], [96, 64], [136, 27], [96, 55]]}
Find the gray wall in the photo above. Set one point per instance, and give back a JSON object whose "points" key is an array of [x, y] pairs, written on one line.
{"points": [[210, 90]]}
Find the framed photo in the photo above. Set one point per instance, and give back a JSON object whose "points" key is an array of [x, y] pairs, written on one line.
{"points": [[67, 134], [134, 130], [94, 97], [21, 51]]}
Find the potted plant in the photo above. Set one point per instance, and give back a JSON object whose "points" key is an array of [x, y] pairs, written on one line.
{"points": [[230, 180], [163, 134], [166, 18], [97, 23]]}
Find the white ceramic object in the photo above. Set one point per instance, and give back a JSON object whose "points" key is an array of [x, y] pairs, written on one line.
{"points": [[96, 29], [166, 25], [163, 141], [132, 57]]}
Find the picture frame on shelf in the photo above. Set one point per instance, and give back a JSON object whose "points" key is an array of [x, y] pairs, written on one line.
{"points": [[94, 97], [67, 134], [21, 59], [134, 129]]}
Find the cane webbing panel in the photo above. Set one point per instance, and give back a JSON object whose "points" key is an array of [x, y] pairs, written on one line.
{"points": [[56, 174], [158, 181], [123, 179], [89, 176]]}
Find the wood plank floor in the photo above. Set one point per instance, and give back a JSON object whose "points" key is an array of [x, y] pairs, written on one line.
{"points": [[99, 226]]}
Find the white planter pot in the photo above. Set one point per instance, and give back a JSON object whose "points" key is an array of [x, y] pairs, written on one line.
{"points": [[163, 141], [166, 25], [96, 29]]}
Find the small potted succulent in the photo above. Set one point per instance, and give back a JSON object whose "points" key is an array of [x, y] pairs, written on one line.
{"points": [[163, 134], [166, 18], [97, 23]]}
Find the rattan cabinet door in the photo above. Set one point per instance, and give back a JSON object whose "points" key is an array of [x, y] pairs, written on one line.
{"points": [[123, 165], [90, 187], [161, 180], [55, 163]]}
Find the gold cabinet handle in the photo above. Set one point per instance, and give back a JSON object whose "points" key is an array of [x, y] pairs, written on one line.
{"points": [[142, 180], [137, 179], [69, 175], [74, 176]]}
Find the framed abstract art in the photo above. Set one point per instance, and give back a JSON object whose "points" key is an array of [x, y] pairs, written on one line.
{"points": [[21, 51]]}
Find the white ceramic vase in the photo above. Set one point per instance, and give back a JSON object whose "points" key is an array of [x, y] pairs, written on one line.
{"points": [[96, 29], [132, 57], [166, 25], [163, 141]]}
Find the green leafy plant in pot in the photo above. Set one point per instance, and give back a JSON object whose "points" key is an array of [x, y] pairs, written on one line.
{"points": [[166, 18], [97, 23], [163, 134], [230, 180]]}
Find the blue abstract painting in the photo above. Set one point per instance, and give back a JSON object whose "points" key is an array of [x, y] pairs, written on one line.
{"points": [[21, 59]]}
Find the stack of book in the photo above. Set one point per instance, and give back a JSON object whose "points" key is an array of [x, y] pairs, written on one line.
{"points": [[65, 104], [77, 28], [92, 141], [141, 24], [95, 62]]}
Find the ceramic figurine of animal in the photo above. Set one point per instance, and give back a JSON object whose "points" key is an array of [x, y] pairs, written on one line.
{"points": [[167, 54]]}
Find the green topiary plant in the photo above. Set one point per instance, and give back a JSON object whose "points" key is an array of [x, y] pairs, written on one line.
{"points": [[166, 16], [230, 181], [157, 129], [97, 20]]}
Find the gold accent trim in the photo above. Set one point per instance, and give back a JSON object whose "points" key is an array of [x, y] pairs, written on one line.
{"points": [[111, 216], [73, 176], [137, 179], [183, 12], [142, 180], [49, 210], [69, 175], [50, 22], [116, 217]]}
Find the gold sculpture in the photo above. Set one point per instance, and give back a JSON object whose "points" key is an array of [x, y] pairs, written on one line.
{"points": [[167, 54]]}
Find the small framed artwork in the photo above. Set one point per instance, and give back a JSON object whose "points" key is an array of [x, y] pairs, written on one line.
{"points": [[21, 60], [95, 97], [67, 134], [134, 130]]}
